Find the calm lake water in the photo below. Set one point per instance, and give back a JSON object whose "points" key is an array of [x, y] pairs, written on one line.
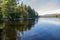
{"points": [[36, 29]]}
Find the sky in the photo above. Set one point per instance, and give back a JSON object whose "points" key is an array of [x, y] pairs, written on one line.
{"points": [[44, 6]]}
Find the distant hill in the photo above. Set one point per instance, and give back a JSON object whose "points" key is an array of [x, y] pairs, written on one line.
{"points": [[52, 15]]}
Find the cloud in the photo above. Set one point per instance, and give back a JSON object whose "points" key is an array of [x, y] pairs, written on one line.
{"points": [[43, 5], [49, 12]]}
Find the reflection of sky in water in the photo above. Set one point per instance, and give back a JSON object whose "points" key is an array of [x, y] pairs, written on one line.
{"points": [[55, 21], [45, 29]]}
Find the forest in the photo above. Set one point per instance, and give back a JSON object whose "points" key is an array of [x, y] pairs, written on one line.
{"points": [[9, 9]]}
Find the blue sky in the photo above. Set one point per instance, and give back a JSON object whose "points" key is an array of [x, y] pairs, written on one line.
{"points": [[44, 6]]}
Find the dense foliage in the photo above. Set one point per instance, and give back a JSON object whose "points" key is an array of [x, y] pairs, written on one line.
{"points": [[9, 9]]}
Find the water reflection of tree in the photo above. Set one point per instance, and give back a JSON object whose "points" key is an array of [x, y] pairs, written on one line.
{"points": [[11, 28]]}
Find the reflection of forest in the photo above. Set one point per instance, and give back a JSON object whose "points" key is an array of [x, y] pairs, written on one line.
{"points": [[11, 28]]}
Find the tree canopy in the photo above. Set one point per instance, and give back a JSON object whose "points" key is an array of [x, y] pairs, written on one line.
{"points": [[10, 9]]}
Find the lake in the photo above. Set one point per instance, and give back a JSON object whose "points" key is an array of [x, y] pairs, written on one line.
{"points": [[36, 29]]}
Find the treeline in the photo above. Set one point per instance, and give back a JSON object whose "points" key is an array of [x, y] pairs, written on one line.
{"points": [[58, 15], [11, 10]]}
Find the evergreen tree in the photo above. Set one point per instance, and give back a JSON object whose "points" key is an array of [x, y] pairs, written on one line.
{"points": [[10, 9]]}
